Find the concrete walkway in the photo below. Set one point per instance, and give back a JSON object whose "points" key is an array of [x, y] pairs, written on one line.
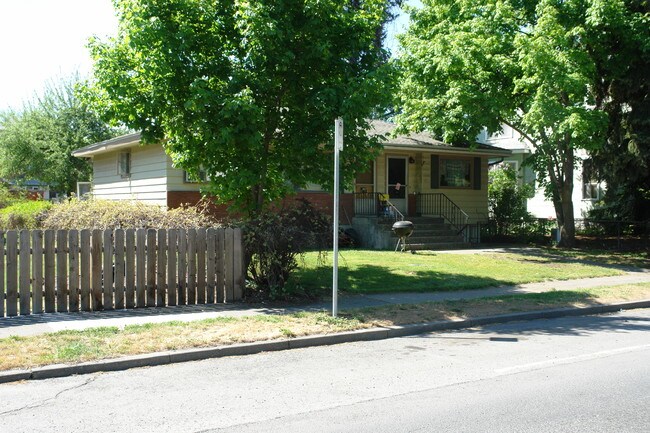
{"points": [[52, 322]]}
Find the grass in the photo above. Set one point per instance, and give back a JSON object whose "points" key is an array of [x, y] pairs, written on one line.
{"points": [[384, 271], [111, 342]]}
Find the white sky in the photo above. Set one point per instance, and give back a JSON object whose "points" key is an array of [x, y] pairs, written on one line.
{"points": [[41, 40], [45, 39]]}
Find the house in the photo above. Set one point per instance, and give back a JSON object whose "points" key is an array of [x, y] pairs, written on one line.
{"points": [[415, 176], [587, 190]]}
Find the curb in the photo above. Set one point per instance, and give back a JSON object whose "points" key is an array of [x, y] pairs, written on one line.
{"points": [[163, 358]]}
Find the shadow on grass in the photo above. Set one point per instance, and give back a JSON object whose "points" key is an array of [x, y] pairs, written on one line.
{"points": [[370, 279], [607, 259]]}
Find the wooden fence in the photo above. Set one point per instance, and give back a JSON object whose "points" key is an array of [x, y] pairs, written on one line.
{"points": [[92, 270]]}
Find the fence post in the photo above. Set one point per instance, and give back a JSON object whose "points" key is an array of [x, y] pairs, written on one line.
{"points": [[84, 263], [2, 274], [61, 271], [73, 299], [12, 273], [96, 253], [37, 271]]}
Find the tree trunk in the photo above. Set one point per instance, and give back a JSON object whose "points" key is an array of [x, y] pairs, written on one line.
{"points": [[567, 226]]}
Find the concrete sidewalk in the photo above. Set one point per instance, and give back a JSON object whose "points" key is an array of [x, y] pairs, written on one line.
{"points": [[53, 322]]}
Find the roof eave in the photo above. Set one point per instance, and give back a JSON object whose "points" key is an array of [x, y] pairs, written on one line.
{"points": [[447, 149]]}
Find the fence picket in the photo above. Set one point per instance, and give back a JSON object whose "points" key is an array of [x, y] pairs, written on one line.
{"points": [[172, 291], [96, 276], [237, 253], [182, 267], [73, 278], [210, 264], [2, 273], [37, 272], [25, 280], [130, 268], [84, 264], [62, 271], [151, 268], [12, 273], [161, 289], [50, 271], [191, 266], [229, 276], [220, 263], [140, 265], [118, 278], [201, 245], [108, 271]]}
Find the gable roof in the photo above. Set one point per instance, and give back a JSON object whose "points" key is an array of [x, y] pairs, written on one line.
{"points": [[415, 141], [424, 141]]}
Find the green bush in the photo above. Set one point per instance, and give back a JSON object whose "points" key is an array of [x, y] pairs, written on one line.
{"points": [[275, 240], [507, 198], [114, 214], [23, 214]]}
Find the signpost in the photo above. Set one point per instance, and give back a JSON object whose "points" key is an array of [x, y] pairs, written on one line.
{"points": [[338, 146]]}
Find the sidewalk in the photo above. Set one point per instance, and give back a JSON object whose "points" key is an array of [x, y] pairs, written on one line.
{"points": [[53, 322]]}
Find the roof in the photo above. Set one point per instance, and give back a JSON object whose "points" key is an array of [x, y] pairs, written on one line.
{"points": [[419, 141], [424, 141], [120, 142]]}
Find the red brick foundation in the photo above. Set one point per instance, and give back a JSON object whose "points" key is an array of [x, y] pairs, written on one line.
{"points": [[322, 201]]}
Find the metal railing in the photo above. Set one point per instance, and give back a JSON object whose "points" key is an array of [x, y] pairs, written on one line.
{"points": [[440, 205], [375, 204]]}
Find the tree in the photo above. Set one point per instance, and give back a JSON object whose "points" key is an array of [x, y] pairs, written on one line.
{"points": [[624, 160], [529, 64], [247, 91], [36, 142]]}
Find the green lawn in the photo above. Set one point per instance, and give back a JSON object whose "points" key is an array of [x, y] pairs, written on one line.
{"points": [[363, 271]]}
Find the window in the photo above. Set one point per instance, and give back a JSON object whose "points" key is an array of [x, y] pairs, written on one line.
{"points": [[450, 172], [200, 177], [124, 164], [455, 173], [590, 185], [364, 181]]}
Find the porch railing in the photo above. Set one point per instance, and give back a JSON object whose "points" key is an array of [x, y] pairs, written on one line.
{"points": [[440, 205], [375, 204]]}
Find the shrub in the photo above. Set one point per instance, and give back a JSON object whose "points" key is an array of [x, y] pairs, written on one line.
{"points": [[23, 214], [114, 214], [275, 240], [507, 198]]}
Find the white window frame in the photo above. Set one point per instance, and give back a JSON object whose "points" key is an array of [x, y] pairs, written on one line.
{"points": [[124, 164]]}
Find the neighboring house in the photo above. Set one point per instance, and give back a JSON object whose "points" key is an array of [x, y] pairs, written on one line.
{"points": [[419, 175], [34, 189], [586, 189]]}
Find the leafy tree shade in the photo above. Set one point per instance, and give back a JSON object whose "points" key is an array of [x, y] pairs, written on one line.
{"points": [[624, 161], [36, 142], [530, 64], [247, 91]]}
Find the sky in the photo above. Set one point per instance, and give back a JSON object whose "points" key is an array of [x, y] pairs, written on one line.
{"points": [[42, 40]]}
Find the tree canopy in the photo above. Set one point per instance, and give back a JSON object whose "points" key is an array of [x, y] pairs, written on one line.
{"points": [[36, 142], [247, 91], [534, 65]]}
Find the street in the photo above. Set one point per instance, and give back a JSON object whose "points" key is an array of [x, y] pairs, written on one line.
{"points": [[583, 374]]}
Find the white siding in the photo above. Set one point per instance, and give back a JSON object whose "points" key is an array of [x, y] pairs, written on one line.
{"points": [[176, 179], [148, 180]]}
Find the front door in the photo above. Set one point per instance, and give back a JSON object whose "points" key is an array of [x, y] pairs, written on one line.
{"points": [[397, 182]]}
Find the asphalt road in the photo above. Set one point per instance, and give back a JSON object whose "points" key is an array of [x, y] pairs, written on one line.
{"points": [[582, 374]]}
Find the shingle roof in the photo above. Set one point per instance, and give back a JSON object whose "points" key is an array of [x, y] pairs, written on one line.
{"points": [[106, 145], [378, 127]]}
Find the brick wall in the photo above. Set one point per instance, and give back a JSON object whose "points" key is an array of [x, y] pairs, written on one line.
{"points": [[320, 200]]}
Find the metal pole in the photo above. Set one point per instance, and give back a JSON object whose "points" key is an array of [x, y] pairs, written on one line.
{"points": [[338, 146]]}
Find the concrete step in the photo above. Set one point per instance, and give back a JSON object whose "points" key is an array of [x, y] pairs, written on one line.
{"points": [[436, 246], [420, 227]]}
